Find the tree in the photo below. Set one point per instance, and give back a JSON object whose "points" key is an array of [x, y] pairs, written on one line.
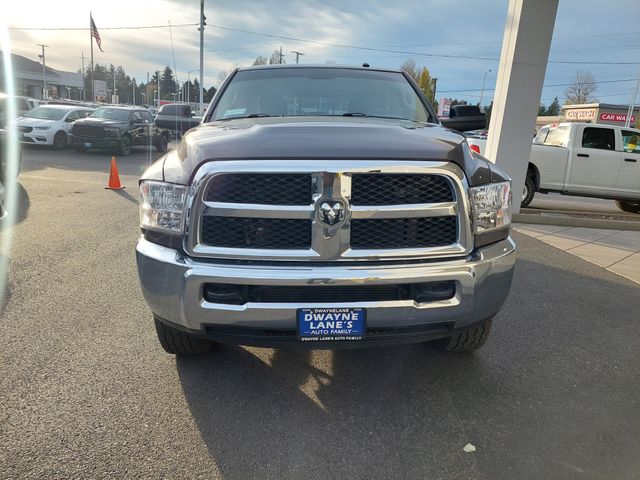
{"points": [[425, 82], [260, 60], [581, 90], [168, 84], [554, 108], [276, 58], [487, 113], [411, 68], [208, 94]]}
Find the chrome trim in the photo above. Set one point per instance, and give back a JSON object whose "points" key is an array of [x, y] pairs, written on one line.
{"points": [[331, 180]]}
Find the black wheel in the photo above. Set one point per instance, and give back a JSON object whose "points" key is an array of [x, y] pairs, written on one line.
{"points": [[60, 141], [467, 340], [630, 207], [162, 144], [179, 343], [125, 146], [528, 192], [79, 148]]}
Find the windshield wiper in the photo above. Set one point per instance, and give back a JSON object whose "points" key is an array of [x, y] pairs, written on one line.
{"points": [[354, 114], [251, 115]]}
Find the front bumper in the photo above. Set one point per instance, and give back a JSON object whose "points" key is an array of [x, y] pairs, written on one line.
{"points": [[99, 143], [172, 285], [38, 137]]}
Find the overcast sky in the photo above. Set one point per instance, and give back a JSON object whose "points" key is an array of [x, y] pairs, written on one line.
{"points": [[586, 30]]}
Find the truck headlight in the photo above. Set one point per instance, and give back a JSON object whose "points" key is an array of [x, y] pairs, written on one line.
{"points": [[491, 206], [161, 206], [111, 132]]}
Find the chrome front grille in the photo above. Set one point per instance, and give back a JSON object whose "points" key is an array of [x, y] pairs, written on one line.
{"points": [[271, 210]]}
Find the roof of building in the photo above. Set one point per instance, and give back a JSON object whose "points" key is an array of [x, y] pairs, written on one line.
{"points": [[598, 105]]}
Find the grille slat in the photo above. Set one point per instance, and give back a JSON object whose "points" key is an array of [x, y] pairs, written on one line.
{"points": [[267, 233], [403, 232], [87, 131], [269, 189], [399, 189]]}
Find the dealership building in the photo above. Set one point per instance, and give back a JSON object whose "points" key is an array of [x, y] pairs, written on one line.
{"points": [[28, 80]]}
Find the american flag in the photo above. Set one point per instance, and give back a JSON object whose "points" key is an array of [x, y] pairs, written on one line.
{"points": [[95, 34]]}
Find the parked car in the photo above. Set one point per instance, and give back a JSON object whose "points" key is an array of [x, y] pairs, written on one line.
{"points": [[177, 117], [584, 159], [49, 124], [361, 222], [22, 106], [118, 129]]}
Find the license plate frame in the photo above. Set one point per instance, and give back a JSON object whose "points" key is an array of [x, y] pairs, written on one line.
{"points": [[331, 324]]}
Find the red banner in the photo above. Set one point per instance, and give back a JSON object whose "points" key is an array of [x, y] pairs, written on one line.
{"points": [[616, 117]]}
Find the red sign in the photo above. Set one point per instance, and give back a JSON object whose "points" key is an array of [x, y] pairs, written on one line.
{"points": [[616, 117]]}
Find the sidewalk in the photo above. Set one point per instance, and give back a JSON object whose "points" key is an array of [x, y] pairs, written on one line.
{"points": [[616, 250]]}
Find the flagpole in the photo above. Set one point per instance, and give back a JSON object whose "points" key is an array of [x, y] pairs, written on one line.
{"points": [[93, 93]]}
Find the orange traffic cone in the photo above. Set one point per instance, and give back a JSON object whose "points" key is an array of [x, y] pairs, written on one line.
{"points": [[114, 178]]}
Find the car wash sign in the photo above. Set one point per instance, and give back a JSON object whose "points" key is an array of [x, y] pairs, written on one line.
{"points": [[615, 117], [580, 114]]}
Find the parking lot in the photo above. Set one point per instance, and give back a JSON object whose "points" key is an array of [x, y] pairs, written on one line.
{"points": [[87, 391]]}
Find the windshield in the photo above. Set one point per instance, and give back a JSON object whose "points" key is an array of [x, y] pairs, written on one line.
{"points": [[556, 136], [111, 114], [320, 92], [44, 113]]}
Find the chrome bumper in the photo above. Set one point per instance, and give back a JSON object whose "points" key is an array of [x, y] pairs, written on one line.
{"points": [[172, 285]]}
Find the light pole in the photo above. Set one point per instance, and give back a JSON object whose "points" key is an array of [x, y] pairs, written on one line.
{"points": [[144, 98], [44, 67], [110, 96], [68, 93], [484, 77]]}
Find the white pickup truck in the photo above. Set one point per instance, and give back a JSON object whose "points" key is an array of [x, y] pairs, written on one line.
{"points": [[583, 159]]}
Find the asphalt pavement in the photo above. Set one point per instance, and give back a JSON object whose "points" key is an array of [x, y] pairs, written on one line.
{"points": [[87, 392]]}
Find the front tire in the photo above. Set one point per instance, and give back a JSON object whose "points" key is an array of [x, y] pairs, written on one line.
{"points": [[467, 340], [629, 207], [162, 144], [529, 192], [125, 146], [60, 140], [177, 342]]}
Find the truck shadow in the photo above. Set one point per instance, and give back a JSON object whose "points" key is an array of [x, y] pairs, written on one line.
{"points": [[407, 412], [23, 203]]}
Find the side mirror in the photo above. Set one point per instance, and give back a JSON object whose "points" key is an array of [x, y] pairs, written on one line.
{"points": [[464, 118]]}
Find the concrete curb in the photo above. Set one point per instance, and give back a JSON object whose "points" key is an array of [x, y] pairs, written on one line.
{"points": [[582, 221]]}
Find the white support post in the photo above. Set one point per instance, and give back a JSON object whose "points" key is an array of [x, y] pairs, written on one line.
{"points": [[523, 63]]}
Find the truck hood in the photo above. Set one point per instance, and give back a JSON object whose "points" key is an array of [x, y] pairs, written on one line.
{"points": [[100, 122], [303, 138]]}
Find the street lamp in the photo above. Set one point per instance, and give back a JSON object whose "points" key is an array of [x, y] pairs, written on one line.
{"points": [[484, 77], [144, 99], [189, 83], [68, 93], [109, 95]]}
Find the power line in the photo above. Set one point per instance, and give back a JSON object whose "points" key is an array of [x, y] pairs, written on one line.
{"points": [[140, 27], [543, 86]]}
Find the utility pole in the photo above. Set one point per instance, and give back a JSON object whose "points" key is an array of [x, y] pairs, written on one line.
{"points": [[84, 94], [280, 62], [202, 24], [632, 102], [115, 90], [297, 55], [435, 84], [44, 78], [134, 91]]}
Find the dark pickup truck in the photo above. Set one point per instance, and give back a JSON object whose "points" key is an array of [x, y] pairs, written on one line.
{"points": [[118, 129], [177, 117], [324, 207]]}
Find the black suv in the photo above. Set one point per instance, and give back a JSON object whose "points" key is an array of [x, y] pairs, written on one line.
{"points": [[118, 129]]}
